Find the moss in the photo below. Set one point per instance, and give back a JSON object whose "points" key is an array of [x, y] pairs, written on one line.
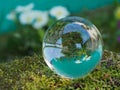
{"points": [[31, 73]]}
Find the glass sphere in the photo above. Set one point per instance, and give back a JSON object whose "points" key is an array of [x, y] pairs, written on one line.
{"points": [[72, 47]]}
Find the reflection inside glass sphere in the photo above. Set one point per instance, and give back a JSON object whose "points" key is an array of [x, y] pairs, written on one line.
{"points": [[72, 47]]}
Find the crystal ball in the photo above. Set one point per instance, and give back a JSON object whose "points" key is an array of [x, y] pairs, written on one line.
{"points": [[72, 47]]}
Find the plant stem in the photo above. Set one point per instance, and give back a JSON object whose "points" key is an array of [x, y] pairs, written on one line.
{"points": [[41, 34]]}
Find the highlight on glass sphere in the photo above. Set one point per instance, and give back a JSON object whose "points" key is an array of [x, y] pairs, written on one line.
{"points": [[72, 47]]}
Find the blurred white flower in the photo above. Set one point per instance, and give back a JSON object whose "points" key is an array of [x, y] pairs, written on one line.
{"points": [[59, 12], [27, 17], [41, 19], [24, 8], [11, 16], [36, 18]]}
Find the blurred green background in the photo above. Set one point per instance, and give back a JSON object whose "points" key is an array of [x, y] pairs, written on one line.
{"points": [[74, 6], [17, 40]]}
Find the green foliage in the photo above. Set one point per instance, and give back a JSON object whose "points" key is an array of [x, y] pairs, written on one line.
{"points": [[24, 41], [31, 73]]}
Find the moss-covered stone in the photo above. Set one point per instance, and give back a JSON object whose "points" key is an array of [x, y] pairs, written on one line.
{"points": [[31, 73]]}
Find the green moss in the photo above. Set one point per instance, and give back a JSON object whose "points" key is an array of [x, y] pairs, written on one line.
{"points": [[31, 73]]}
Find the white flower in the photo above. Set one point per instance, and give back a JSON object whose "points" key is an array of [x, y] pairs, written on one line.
{"points": [[36, 18], [59, 12], [41, 19], [11, 16], [24, 8], [27, 17]]}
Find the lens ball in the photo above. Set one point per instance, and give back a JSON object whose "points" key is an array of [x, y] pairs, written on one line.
{"points": [[72, 47]]}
